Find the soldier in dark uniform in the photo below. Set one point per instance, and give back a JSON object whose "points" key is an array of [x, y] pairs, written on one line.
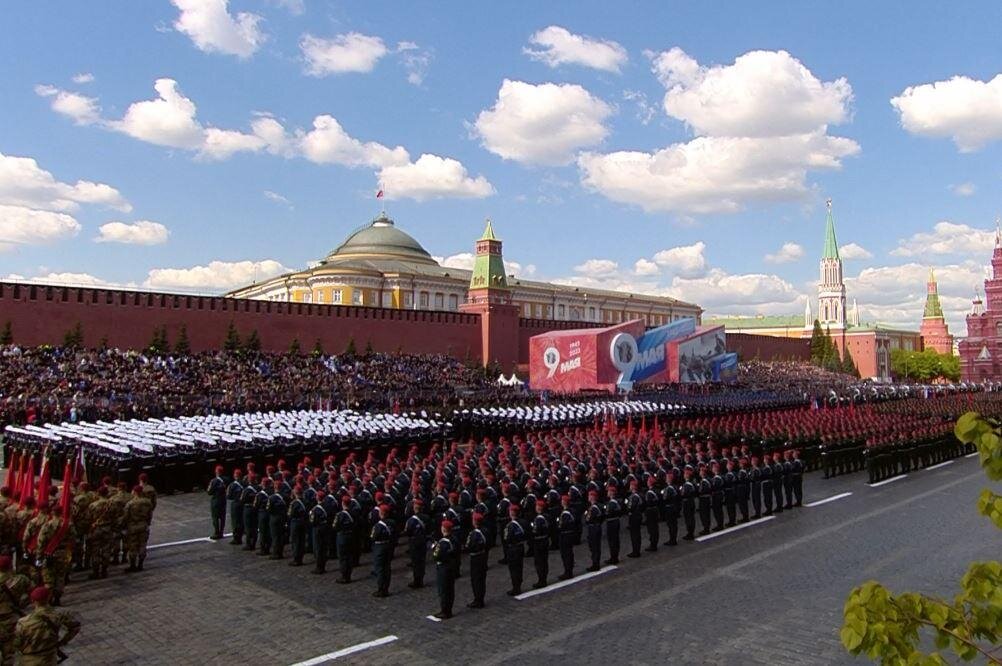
{"points": [[755, 477], [476, 546], [593, 518], [381, 538], [567, 527], [730, 494], [541, 544], [788, 478], [320, 524], [217, 503], [652, 515], [767, 494], [635, 519], [297, 527], [261, 507], [277, 513], [717, 497], [612, 512], [249, 512], [689, 492], [705, 491], [797, 474], [234, 492], [743, 489], [777, 481], [344, 534], [514, 538], [671, 501], [443, 555], [416, 531]]}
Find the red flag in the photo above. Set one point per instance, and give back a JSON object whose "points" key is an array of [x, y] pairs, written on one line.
{"points": [[657, 429], [65, 506], [12, 470], [44, 482], [27, 481], [379, 194]]}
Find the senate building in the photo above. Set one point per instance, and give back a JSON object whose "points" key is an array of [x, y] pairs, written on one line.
{"points": [[380, 265]]}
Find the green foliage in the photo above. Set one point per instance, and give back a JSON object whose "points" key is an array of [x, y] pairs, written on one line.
{"points": [[231, 342], [886, 627], [253, 342], [7, 335], [294, 348], [849, 364], [369, 351], [924, 366], [158, 343], [73, 339], [350, 349], [183, 345], [318, 348], [817, 344]]}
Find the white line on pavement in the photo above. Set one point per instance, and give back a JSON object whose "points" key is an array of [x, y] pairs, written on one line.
{"points": [[565, 583], [346, 651], [178, 543], [432, 618], [886, 481], [829, 499], [714, 535], [942, 464], [971, 455]]}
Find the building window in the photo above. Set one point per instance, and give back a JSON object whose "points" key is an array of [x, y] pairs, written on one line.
{"points": [[539, 311], [387, 299], [561, 312], [336, 297], [528, 309], [549, 312], [423, 302], [439, 301], [591, 314], [357, 297], [320, 296], [408, 299], [453, 302], [308, 297]]}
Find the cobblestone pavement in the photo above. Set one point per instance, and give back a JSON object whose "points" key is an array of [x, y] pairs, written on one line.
{"points": [[771, 593]]}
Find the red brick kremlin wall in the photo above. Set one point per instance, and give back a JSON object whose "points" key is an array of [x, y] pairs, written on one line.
{"points": [[750, 347]]}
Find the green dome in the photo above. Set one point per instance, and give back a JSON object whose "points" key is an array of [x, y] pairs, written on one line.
{"points": [[381, 238]]}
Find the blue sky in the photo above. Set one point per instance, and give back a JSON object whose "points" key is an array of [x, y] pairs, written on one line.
{"points": [[676, 148]]}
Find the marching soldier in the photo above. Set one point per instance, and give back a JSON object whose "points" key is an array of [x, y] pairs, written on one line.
{"points": [[138, 515], [788, 478], [297, 527], [234, 493], [321, 526], [765, 471], [381, 538], [717, 497], [81, 521], [567, 528], [541, 545], [689, 493], [594, 518], [704, 490], [612, 513], [14, 590], [730, 494], [743, 489], [249, 511], [635, 520], [797, 473], [277, 510], [344, 530], [777, 481], [29, 541], [416, 531], [118, 499], [652, 515], [99, 540], [261, 501], [443, 555], [40, 635], [671, 500], [476, 546], [514, 549], [755, 476], [149, 492], [216, 491]]}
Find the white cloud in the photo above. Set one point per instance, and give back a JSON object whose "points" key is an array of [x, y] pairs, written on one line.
{"points": [[277, 198], [964, 189], [432, 177], [83, 77], [415, 60], [20, 225], [966, 110], [328, 143], [851, 251], [557, 46], [687, 261], [217, 275], [764, 93], [81, 109], [143, 232], [645, 111], [350, 52], [597, 268], [761, 126], [723, 292], [542, 124], [645, 267], [294, 7], [24, 183], [947, 238], [465, 261], [68, 279], [211, 27], [166, 121], [714, 174], [788, 253]]}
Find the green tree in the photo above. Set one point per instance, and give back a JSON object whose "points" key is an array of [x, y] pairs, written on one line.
{"points": [[369, 351], [183, 346], [318, 348], [73, 338], [849, 364], [294, 349], [817, 344], [887, 627], [253, 342], [7, 335], [350, 349], [831, 360], [231, 342], [158, 343], [924, 366]]}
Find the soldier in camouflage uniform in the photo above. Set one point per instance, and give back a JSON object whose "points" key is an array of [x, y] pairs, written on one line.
{"points": [[29, 540], [14, 590], [149, 492], [39, 635], [119, 498], [81, 521], [102, 522], [55, 565], [138, 514], [21, 518], [6, 521]]}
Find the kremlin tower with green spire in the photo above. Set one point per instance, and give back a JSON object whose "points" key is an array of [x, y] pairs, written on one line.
{"points": [[490, 297], [935, 333]]}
